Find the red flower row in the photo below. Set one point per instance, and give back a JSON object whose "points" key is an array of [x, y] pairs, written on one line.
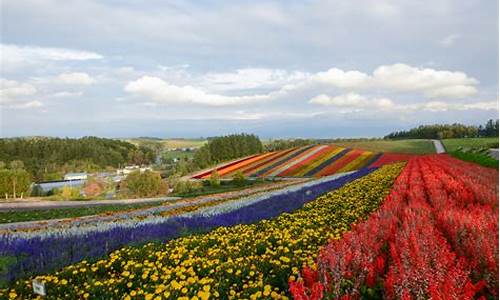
{"points": [[435, 236]]}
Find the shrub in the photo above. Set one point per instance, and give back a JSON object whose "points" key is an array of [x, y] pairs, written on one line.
{"points": [[147, 184], [215, 179], [239, 179]]}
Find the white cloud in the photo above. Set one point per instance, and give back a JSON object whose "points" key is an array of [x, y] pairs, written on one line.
{"points": [[342, 79], [440, 106], [26, 105], [353, 100], [76, 78], [14, 57], [11, 90], [449, 40], [17, 95], [162, 92], [251, 78], [360, 102], [66, 94], [432, 83], [403, 78]]}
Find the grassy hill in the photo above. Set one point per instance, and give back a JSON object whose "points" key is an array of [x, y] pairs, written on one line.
{"points": [[486, 142], [413, 146]]}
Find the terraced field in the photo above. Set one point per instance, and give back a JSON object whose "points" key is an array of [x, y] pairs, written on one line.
{"points": [[307, 161]]}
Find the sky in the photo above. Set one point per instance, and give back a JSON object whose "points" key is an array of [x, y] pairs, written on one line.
{"points": [[316, 69]]}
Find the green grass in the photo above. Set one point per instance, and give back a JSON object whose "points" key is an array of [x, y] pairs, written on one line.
{"points": [[60, 213], [478, 158], [395, 146], [472, 143]]}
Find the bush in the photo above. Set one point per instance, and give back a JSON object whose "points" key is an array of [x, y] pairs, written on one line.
{"points": [[68, 193], [215, 179], [147, 184], [239, 179]]}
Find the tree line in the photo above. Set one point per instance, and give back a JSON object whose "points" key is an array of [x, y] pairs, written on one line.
{"points": [[447, 131], [49, 158], [282, 144], [223, 148]]}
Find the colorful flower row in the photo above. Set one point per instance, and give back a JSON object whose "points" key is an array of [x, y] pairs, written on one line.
{"points": [[169, 208], [307, 161], [42, 251], [435, 237], [243, 261]]}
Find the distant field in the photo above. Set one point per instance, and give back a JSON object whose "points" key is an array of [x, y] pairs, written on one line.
{"points": [[177, 154], [181, 143], [169, 143], [397, 146], [454, 144]]}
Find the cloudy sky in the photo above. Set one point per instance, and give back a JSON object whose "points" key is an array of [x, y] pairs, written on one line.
{"points": [[275, 68]]}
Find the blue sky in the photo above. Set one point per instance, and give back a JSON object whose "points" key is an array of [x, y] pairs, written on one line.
{"points": [[274, 68]]}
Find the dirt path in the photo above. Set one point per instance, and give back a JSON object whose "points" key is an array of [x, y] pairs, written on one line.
{"points": [[494, 153], [439, 146]]}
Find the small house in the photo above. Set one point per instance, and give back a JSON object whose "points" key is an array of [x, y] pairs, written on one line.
{"points": [[75, 176]]}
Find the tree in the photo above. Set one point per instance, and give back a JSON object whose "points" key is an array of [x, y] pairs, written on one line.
{"points": [[214, 179], [2, 165], [43, 157], [147, 184], [14, 182], [239, 179], [16, 164]]}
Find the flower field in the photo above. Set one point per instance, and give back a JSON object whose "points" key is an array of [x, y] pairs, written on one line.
{"points": [[44, 248], [253, 251], [307, 161], [435, 237]]}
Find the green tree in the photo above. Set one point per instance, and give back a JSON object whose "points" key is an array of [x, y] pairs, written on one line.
{"points": [[239, 179], [214, 179], [14, 182], [16, 164], [147, 184]]}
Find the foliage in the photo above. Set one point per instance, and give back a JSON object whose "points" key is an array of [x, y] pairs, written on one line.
{"points": [[228, 147], [446, 131], [435, 237], [68, 193], [14, 181], [182, 187], [276, 145], [143, 184], [239, 179], [243, 261], [214, 179], [43, 156]]}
